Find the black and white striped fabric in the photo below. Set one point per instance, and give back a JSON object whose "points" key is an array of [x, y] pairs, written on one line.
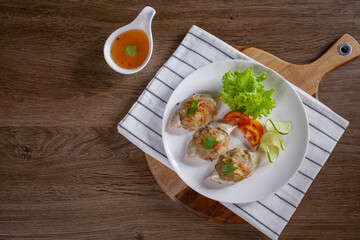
{"points": [[142, 126]]}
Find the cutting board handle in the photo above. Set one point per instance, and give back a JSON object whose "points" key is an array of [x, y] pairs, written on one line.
{"points": [[308, 76], [342, 51]]}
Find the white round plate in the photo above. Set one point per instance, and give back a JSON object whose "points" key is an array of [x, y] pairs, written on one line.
{"points": [[268, 177]]}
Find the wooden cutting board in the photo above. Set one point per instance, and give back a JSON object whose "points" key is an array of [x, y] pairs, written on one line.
{"points": [[307, 77]]}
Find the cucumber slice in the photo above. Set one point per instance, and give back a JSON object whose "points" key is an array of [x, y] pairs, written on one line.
{"points": [[271, 151], [281, 127]]}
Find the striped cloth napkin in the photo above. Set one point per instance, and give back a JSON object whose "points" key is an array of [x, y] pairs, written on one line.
{"points": [[142, 126]]}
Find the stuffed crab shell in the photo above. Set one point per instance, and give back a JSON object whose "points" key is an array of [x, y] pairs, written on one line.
{"points": [[234, 166], [195, 111], [211, 141]]}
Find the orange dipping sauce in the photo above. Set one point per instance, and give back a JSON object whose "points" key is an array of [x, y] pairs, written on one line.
{"points": [[131, 38]]}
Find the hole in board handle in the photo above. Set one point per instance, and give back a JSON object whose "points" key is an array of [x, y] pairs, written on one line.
{"points": [[344, 49]]}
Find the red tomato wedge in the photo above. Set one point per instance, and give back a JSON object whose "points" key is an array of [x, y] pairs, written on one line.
{"points": [[251, 134], [257, 125], [238, 117]]}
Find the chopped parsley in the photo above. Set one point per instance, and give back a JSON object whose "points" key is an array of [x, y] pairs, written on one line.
{"points": [[209, 142], [228, 169], [193, 108]]}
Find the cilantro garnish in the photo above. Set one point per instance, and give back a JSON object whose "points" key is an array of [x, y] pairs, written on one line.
{"points": [[228, 169], [130, 50], [209, 142], [193, 108]]}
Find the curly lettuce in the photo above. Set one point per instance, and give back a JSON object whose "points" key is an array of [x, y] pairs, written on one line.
{"points": [[245, 92]]}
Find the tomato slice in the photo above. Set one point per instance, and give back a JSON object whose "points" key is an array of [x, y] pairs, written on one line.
{"points": [[238, 117], [251, 134], [257, 125]]}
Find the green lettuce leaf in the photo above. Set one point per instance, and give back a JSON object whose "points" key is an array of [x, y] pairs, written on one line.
{"points": [[245, 92]]}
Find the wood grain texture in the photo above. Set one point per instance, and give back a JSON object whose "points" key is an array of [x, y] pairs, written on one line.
{"points": [[67, 174], [307, 76], [187, 198]]}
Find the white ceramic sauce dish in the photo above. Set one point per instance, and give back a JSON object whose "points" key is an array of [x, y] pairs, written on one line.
{"points": [[142, 22]]}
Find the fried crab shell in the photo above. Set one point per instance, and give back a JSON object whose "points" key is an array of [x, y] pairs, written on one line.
{"points": [[220, 131], [206, 110], [244, 161]]}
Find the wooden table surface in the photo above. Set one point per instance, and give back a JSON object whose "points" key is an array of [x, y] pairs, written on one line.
{"points": [[65, 172]]}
